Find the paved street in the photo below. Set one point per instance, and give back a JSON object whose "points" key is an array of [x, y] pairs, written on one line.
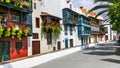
{"points": [[89, 58]]}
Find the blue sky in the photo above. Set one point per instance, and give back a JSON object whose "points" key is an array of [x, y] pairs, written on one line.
{"points": [[85, 3]]}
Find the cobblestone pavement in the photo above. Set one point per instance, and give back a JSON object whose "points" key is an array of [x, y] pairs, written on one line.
{"points": [[88, 58]]}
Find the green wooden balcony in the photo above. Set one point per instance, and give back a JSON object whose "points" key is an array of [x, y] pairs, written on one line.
{"points": [[20, 5]]}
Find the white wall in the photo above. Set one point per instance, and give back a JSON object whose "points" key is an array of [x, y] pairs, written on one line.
{"points": [[36, 13], [110, 33], [52, 7], [76, 41]]}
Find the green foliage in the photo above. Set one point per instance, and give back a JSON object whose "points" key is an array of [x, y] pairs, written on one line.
{"points": [[13, 33], [7, 1], [1, 0], [19, 33], [54, 29], [113, 9], [7, 32], [1, 30]]}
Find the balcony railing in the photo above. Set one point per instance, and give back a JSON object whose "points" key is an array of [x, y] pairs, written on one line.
{"points": [[14, 30], [23, 5]]}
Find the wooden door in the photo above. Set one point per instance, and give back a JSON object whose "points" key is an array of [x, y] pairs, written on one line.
{"points": [[35, 47], [58, 45], [4, 51]]}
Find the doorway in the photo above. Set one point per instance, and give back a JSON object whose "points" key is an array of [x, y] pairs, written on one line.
{"points": [[4, 50], [35, 47]]}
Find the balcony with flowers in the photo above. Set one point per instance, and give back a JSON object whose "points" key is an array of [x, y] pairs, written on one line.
{"points": [[20, 5], [50, 24], [13, 29]]}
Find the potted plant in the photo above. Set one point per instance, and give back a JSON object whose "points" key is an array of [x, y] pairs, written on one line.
{"points": [[7, 32]]}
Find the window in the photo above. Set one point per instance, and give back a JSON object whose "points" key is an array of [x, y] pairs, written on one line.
{"points": [[18, 45], [15, 18], [35, 35], [34, 5], [37, 22], [2, 17], [71, 42]]}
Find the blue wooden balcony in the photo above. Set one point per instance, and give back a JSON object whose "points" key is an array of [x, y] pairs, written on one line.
{"points": [[84, 32], [70, 17], [84, 26]]}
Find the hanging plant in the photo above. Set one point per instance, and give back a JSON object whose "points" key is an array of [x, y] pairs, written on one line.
{"points": [[53, 30], [7, 32], [26, 31], [58, 31], [13, 33], [1, 30], [21, 5], [42, 29], [19, 33], [17, 3]]}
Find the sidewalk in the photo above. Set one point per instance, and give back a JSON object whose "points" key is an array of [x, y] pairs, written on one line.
{"points": [[30, 62]]}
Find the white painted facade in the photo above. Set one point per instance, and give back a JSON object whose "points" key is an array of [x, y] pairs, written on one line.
{"points": [[112, 35], [35, 14], [51, 7], [74, 36]]}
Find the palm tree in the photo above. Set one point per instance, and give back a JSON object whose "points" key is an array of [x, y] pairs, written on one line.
{"points": [[112, 7]]}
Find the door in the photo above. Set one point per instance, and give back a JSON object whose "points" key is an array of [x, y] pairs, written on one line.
{"points": [[58, 45], [1, 51], [71, 42], [66, 43], [35, 47], [4, 50], [82, 40]]}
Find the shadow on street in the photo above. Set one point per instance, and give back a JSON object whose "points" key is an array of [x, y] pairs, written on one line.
{"points": [[111, 60], [101, 50]]}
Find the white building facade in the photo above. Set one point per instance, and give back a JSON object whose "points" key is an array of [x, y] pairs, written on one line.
{"points": [[69, 33]]}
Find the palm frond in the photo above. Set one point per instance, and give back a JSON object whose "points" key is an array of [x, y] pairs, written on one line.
{"points": [[99, 7], [110, 1], [102, 12]]}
